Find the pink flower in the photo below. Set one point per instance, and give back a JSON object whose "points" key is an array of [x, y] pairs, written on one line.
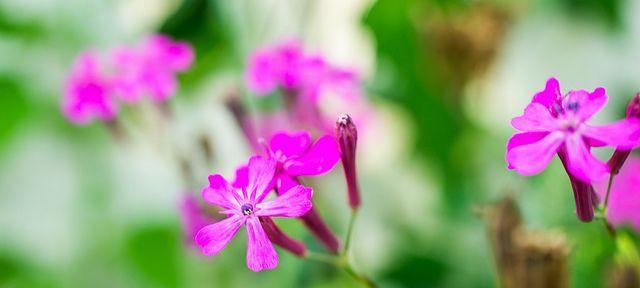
{"points": [[624, 198], [150, 69], [551, 123], [87, 92], [297, 156], [244, 206], [287, 66]]}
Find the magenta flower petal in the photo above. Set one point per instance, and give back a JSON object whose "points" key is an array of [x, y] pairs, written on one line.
{"points": [[284, 182], [536, 118], [581, 163], [623, 134], [584, 104], [532, 158], [221, 193], [321, 158], [525, 138], [293, 203], [242, 177], [260, 252], [261, 172], [549, 95], [521, 139], [213, 238], [290, 144]]}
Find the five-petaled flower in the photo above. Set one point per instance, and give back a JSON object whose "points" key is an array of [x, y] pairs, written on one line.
{"points": [[552, 123], [244, 206]]}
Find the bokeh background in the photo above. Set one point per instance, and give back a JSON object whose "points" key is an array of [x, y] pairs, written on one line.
{"points": [[78, 209]]}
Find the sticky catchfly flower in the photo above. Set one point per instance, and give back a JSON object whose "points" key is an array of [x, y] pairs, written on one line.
{"points": [[88, 92], [296, 156], [150, 68], [624, 197], [551, 123], [244, 206]]}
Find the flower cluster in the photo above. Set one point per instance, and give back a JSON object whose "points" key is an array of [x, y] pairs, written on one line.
{"points": [[305, 81], [95, 85], [556, 124], [288, 156]]}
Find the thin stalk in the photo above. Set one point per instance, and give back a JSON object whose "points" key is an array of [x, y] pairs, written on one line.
{"points": [[359, 277], [605, 222], [341, 262], [347, 241], [606, 196]]}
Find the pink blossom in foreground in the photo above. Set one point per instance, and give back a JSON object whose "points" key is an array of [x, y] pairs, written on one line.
{"points": [[624, 198], [244, 206], [551, 123], [87, 93], [150, 68]]}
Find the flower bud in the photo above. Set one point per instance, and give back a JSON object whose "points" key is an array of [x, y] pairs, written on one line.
{"points": [[620, 155], [281, 239], [347, 137]]}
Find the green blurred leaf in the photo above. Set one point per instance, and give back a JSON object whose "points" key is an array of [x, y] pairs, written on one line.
{"points": [[154, 251], [13, 107]]}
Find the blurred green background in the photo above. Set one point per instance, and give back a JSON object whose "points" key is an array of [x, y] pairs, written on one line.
{"points": [[78, 209]]}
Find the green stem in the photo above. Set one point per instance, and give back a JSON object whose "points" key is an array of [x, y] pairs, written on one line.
{"points": [[347, 241], [605, 222], [359, 277], [324, 258], [341, 262]]}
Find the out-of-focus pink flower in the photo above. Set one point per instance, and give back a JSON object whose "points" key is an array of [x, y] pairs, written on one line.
{"points": [[87, 93], [150, 68], [192, 217], [624, 198], [552, 122], [244, 206], [309, 84]]}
